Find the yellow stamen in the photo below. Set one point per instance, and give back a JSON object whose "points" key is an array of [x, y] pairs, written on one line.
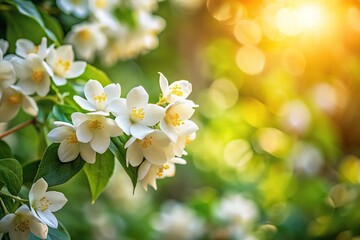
{"points": [[21, 224], [146, 142], [95, 125], [137, 114], [84, 35], [161, 170], [38, 75], [42, 204], [187, 140], [62, 66], [100, 98], [14, 99], [173, 119], [176, 90], [100, 3], [35, 50], [72, 139]]}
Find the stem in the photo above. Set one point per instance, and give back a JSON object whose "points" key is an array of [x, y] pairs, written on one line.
{"points": [[3, 206], [14, 129], [13, 197]]}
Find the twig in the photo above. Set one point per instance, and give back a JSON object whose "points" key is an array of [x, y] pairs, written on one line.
{"points": [[14, 129]]}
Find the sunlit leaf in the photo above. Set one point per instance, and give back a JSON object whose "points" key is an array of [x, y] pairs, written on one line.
{"points": [[55, 172], [92, 72], [11, 174], [28, 9], [99, 173]]}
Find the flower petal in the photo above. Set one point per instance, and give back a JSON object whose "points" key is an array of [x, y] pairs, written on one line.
{"points": [[65, 52], [84, 104], [58, 134], [87, 153], [78, 118], [83, 133], [68, 151], [92, 88], [23, 47], [140, 131], [29, 106], [100, 142], [155, 155], [48, 218], [5, 222], [134, 155], [143, 170], [8, 112], [153, 114], [59, 81], [112, 91], [37, 190], [37, 228], [129, 142], [124, 123], [169, 131], [57, 199], [76, 69], [164, 84], [118, 107], [137, 97], [112, 129]]}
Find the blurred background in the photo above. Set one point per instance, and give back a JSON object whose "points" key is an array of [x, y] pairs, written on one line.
{"points": [[277, 153]]}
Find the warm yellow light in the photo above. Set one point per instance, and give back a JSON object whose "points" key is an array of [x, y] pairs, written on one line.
{"points": [[310, 16]]}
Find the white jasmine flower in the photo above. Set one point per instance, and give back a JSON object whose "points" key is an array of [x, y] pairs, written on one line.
{"points": [[176, 123], [33, 74], [134, 115], [236, 209], [43, 203], [182, 141], [96, 129], [146, 5], [177, 91], [97, 97], [24, 47], [86, 38], [177, 221], [77, 7], [70, 147], [102, 5], [21, 223], [153, 148], [7, 72], [12, 100], [61, 60]]}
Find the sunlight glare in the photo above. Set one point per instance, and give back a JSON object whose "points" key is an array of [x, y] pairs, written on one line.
{"points": [[310, 16]]}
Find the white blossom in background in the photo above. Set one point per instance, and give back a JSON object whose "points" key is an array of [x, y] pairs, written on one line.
{"points": [[306, 158], [296, 116], [177, 221], [99, 98], [78, 8], [21, 223], [135, 115], [70, 147], [33, 75], [177, 91], [87, 38], [153, 147], [12, 100], [176, 121], [7, 72], [146, 5], [96, 129], [102, 5], [43, 203], [61, 61], [24, 47], [182, 141], [236, 209]]}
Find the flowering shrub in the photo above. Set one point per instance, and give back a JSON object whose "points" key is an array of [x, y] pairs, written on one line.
{"points": [[79, 113]]}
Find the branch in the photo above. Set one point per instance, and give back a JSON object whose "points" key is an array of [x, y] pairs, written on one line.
{"points": [[14, 129]]}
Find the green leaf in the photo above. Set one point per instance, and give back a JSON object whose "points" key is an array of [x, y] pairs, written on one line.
{"points": [[30, 170], [27, 8], [99, 173], [92, 72], [117, 148], [11, 174], [63, 112], [55, 172], [5, 150], [54, 234], [53, 25]]}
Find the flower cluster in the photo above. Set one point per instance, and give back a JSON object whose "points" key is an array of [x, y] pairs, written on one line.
{"points": [[36, 219], [158, 133], [30, 72], [115, 29]]}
